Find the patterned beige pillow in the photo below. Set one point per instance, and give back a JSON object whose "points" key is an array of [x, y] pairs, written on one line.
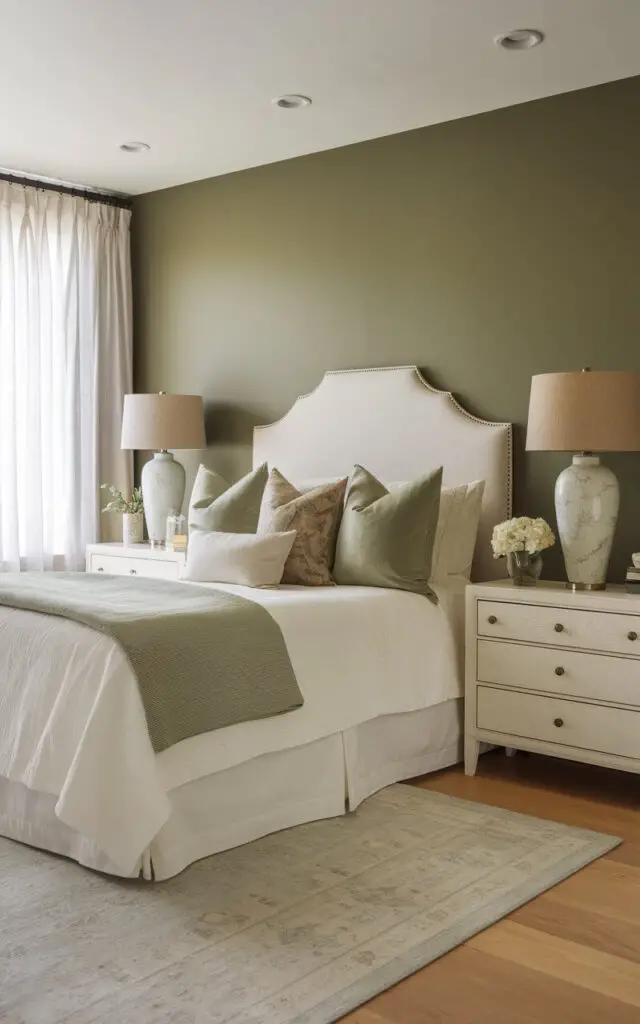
{"points": [[315, 516]]}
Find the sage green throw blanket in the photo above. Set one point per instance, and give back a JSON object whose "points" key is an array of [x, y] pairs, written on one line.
{"points": [[203, 658]]}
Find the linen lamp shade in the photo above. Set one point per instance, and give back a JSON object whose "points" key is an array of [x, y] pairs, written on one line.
{"points": [[587, 411], [156, 422]]}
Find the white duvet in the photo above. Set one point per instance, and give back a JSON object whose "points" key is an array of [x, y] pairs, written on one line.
{"points": [[72, 722]]}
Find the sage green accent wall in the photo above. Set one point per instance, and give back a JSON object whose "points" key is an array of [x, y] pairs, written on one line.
{"points": [[485, 250]]}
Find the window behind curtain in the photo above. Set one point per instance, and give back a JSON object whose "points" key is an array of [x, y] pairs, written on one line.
{"points": [[65, 364]]}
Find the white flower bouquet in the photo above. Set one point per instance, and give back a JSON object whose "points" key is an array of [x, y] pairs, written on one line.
{"points": [[521, 534]]}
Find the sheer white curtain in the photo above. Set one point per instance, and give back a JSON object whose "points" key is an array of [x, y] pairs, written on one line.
{"points": [[65, 364]]}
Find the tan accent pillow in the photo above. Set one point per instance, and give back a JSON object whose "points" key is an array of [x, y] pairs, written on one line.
{"points": [[315, 516]]}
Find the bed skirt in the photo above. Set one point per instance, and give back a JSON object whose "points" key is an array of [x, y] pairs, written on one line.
{"points": [[263, 795]]}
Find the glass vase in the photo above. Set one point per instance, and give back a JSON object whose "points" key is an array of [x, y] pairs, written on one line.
{"points": [[176, 533], [524, 568]]}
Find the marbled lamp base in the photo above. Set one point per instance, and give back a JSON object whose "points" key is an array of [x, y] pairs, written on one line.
{"points": [[163, 481], [587, 499]]}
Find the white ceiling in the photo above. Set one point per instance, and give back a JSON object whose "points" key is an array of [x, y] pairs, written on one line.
{"points": [[194, 78]]}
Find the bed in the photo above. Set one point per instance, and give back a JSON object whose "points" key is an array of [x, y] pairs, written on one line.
{"points": [[381, 671]]}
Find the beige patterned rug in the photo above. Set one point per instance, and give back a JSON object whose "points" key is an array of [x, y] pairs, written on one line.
{"points": [[301, 926]]}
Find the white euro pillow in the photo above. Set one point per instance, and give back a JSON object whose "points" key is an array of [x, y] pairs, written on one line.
{"points": [[252, 560], [457, 531]]}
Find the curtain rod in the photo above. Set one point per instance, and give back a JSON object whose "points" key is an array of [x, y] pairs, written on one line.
{"points": [[123, 202]]}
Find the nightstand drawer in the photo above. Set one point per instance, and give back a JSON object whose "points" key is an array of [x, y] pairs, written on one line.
{"points": [[126, 566], [590, 676], [560, 627], [565, 722]]}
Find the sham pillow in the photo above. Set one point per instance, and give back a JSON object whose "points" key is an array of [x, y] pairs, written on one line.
{"points": [[237, 509], [315, 516], [386, 537], [457, 532], [243, 558], [207, 486]]}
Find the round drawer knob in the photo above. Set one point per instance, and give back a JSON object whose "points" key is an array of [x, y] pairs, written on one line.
{"points": [[133, 572], [559, 628], [632, 635], [492, 620], [559, 670], [558, 722]]}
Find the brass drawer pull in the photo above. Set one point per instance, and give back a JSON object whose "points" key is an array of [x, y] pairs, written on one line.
{"points": [[632, 635], [133, 572], [558, 722], [559, 671], [559, 628], [492, 620], [100, 568]]}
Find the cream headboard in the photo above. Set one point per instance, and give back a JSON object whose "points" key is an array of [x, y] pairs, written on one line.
{"points": [[398, 426]]}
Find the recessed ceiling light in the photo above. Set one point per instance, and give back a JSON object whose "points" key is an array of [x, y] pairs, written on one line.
{"points": [[134, 147], [520, 39], [292, 101]]}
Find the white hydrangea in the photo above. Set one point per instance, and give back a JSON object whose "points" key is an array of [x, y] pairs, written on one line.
{"points": [[521, 534]]}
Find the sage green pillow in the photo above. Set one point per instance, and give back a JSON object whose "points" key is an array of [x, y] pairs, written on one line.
{"points": [[207, 486], [237, 509], [386, 537]]}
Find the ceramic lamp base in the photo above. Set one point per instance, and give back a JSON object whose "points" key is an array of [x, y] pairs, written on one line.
{"points": [[163, 481], [587, 499], [585, 586]]}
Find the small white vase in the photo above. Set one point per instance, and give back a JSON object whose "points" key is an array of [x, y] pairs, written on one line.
{"points": [[132, 528]]}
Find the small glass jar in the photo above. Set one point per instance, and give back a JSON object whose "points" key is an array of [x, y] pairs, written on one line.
{"points": [[524, 568], [176, 533]]}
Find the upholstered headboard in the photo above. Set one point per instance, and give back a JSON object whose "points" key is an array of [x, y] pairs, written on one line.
{"points": [[391, 420]]}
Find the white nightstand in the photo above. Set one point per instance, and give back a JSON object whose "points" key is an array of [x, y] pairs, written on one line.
{"points": [[135, 560], [554, 672]]}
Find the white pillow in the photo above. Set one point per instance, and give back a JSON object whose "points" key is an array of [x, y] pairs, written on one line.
{"points": [[253, 560], [457, 531]]}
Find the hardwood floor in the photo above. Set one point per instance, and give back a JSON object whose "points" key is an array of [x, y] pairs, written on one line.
{"points": [[571, 956]]}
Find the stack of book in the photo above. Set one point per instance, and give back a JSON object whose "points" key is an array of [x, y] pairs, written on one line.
{"points": [[633, 580]]}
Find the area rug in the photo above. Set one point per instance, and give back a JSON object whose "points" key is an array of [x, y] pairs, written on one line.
{"points": [[298, 928]]}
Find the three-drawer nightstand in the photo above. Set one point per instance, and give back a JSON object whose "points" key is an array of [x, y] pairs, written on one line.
{"points": [[553, 671], [135, 560]]}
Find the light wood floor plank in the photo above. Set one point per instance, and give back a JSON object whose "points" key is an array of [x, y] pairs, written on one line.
{"points": [[577, 924], [627, 853], [471, 987], [607, 887], [365, 1016], [578, 964]]}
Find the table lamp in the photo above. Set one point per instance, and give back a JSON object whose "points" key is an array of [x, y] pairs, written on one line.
{"points": [[585, 412], [159, 422]]}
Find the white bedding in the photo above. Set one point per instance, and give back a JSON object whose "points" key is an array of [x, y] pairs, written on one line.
{"points": [[72, 723]]}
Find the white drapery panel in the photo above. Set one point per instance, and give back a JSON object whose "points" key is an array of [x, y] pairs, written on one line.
{"points": [[65, 365]]}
